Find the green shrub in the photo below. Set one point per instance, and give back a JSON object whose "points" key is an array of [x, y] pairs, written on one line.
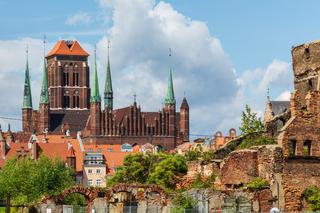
{"points": [[183, 201], [203, 183], [258, 183], [312, 196], [255, 140]]}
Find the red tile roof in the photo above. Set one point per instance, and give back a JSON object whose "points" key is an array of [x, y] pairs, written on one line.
{"points": [[63, 47]]}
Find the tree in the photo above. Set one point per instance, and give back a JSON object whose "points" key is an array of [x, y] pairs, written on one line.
{"points": [[168, 171], [250, 123], [24, 181], [162, 169], [312, 196]]}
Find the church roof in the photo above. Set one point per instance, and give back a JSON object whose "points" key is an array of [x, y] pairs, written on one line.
{"points": [[278, 107], [63, 47]]}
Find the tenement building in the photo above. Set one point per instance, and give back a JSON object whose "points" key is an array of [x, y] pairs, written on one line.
{"points": [[68, 104]]}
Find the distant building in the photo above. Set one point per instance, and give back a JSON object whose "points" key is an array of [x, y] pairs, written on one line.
{"points": [[94, 170], [220, 140], [68, 103]]}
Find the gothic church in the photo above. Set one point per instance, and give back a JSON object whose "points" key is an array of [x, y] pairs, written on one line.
{"points": [[68, 103]]}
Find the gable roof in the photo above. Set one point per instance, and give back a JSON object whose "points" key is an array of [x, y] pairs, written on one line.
{"points": [[278, 107], [63, 47]]}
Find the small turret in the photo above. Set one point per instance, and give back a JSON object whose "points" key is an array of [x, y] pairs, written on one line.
{"points": [[184, 120]]}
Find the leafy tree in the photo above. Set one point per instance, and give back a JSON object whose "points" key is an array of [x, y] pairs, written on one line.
{"points": [[168, 171], [163, 169], [250, 123], [312, 196], [75, 199], [24, 181]]}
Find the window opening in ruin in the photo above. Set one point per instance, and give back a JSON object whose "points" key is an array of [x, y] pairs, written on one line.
{"points": [[307, 53], [292, 147], [307, 148], [310, 84]]}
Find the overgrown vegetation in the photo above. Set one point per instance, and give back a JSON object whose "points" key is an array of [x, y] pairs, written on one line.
{"points": [[75, 199], [24, 181], [258, 184], [203, 183], [312, 196], [182, 201], [255, 140], [161, 169], [198, 154]]}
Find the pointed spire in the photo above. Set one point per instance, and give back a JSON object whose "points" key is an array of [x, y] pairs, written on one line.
{"points": [[108, 92], [27, 97], [95, 94], [169, 99], [44, 94]]}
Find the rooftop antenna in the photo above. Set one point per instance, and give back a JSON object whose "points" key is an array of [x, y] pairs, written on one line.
{"points": [[134, 98]]}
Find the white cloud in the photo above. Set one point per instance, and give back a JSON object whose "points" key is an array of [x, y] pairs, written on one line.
{"points": [[79, 18], [141, 34], [284, 96]]}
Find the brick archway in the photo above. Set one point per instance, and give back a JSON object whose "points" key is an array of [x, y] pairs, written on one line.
{"points": [[89, 193]]}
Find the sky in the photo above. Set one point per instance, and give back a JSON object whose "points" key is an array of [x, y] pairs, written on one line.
{"points": [[225, 54]]}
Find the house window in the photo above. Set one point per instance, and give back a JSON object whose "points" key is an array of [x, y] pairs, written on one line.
{"points": [[109, 149], [292, 147], [90, 182], [307, 148], [98, 182], [98, 171], [90, 171], [99, 150]]}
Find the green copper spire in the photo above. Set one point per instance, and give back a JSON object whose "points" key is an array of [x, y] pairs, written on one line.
{"points": [[44, 94], [95, 95], [108, 93], [27, 97], [170, 93]]}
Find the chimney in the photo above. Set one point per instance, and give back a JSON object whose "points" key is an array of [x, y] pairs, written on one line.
{"points": [[2, 146]]}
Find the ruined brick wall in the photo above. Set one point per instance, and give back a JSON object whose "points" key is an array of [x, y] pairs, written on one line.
{"points": [[240, 167], [298, 174], [205, 169], [306, 67]]}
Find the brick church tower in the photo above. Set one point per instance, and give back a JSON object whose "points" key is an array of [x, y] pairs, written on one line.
{"points": [[68, 75]]}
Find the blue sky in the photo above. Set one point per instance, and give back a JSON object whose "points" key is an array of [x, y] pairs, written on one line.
{"points": [[249, 48]]}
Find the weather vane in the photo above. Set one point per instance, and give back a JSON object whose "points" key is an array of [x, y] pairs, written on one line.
{"points": [[170, 52]]}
